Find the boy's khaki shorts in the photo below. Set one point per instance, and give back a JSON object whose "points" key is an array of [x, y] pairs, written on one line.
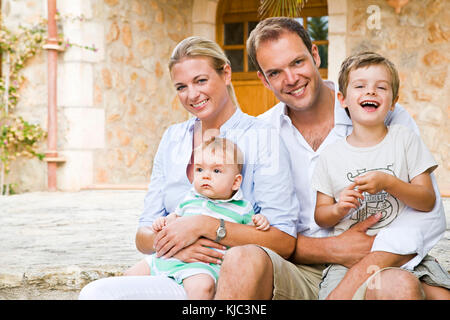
{"points": [[294, 282], [302, 282]]}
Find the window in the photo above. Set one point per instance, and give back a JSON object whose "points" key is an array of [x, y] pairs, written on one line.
{"points": [[317, 27], [236, 19]]}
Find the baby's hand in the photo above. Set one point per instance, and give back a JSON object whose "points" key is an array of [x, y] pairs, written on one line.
{"points": [[261, 222], [159, 224]]}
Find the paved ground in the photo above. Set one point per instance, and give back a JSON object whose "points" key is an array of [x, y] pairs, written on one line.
{"points": [[52, 244]]}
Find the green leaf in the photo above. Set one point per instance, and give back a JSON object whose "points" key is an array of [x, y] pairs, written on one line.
{"points": [[281, 8]]}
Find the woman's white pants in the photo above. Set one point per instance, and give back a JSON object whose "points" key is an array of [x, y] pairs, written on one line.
{"points": [[133, 288]]}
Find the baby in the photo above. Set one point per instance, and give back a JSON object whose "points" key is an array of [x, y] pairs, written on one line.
{"points": [[216, 192]]}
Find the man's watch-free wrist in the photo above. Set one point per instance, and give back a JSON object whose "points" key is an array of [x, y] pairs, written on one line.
{"points": [[221, 231]]}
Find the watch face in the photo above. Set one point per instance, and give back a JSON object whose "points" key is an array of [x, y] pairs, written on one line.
{"points": [[221, 232]]}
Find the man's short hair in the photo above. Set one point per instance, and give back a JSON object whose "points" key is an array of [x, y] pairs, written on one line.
{"points": [[365, 59], [221, 147], [272, 29]]}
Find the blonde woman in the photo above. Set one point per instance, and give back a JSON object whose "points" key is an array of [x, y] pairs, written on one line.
{"points": [[201, 75]]}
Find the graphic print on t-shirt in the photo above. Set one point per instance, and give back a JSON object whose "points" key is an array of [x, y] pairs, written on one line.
{"points": [[372, 203]]}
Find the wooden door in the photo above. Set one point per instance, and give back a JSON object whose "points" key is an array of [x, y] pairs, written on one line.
{"points": [[253, 97]]}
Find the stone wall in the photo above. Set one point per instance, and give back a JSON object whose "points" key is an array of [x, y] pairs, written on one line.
{"points": [[113, 104], [133, 84], [417, 41], [29, 174]]}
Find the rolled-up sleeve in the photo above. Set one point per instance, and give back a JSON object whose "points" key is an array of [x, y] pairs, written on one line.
{"points": [[274, 191], [153, 202]]}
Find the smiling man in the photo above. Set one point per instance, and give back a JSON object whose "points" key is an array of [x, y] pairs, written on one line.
{"points": [[309, 118]]}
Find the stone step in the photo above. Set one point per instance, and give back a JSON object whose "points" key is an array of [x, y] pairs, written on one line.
{"points": [[53, 244]]}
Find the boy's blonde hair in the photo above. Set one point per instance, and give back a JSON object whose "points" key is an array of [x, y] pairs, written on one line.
{"points": [[221, 147], [365, 59], [201, 47]]}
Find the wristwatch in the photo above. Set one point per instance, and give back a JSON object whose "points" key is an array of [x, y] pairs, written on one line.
{"points": [[221, 231]]}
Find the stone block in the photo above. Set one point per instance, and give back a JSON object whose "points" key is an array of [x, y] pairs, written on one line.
{"points": [[206, 30], [85, 34], [204, 11], [337, 24], [435, 57], [337, 52], [16, 13], [85, 128], [75, 85], [337, 7], [77, 171], [75, 9], [431, 114]]}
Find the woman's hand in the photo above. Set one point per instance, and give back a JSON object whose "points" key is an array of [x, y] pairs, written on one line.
{"points": [[177, 235], [200, 251]]}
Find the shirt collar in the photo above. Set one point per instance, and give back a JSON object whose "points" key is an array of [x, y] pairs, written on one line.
{"points": [[236, 197], [231, 123], [340, 116]]}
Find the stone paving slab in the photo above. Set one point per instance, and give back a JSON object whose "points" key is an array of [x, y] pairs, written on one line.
{"points": [[62, 241], [52, 244]]}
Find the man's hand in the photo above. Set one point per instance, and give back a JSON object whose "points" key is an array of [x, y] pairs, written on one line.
{"points": [[200, 251], [354, 244]]}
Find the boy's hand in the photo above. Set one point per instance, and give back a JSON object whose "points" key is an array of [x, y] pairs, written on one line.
{"points": [[159, 224], [261, 222], [348, 199], [373, 182]]}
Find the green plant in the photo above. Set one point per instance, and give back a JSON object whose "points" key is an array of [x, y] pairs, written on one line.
{"points": [[318, 30], [18, 138], [279, 8]]}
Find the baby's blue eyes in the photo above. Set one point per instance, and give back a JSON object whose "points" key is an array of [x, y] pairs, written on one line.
{"points": [[215, 170]]}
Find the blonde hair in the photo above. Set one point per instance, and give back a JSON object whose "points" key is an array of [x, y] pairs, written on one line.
{"points": [[364, 59], [229, 151], [201, 47]]}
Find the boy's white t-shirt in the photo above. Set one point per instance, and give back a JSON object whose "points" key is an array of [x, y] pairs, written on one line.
{"points": [[401, 153]]}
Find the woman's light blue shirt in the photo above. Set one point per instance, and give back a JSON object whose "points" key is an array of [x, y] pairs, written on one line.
{"points": [[267, 180]]}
